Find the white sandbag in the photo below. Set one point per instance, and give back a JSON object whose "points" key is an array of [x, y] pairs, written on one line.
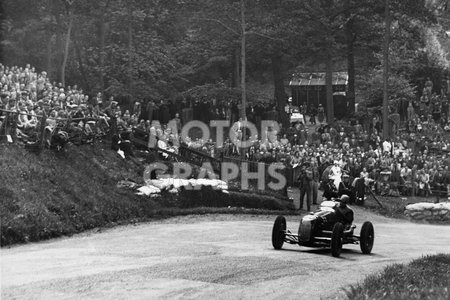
{"points": [[148, 190], [161, 184], [173, 191], [420, 206]]}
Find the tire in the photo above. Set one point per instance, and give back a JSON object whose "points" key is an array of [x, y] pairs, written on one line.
{"points": [[336, 239], [367, 237], [278, 232]]}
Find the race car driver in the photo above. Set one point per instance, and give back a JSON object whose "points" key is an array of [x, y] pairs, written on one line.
{"points": [[343, 212]]}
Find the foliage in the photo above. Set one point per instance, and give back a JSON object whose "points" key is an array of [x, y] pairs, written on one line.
{"points": [[219, 92], [370, 89], [151, 49]]}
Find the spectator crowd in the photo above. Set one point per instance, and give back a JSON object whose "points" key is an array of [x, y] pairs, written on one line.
{"points": [[416, 158]]}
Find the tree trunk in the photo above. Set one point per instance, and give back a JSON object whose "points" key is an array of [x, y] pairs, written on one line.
{"points": [[102, 33], [350, 39], [279, 93], [59, 48], [103, 29], [386, 71], [236, 77], [86, 86], [329, 86], [49, 54], [130, 56], [243, 76], [66, 49]]}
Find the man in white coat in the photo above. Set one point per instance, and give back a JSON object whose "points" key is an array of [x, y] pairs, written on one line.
{"points": [[336, 173]]}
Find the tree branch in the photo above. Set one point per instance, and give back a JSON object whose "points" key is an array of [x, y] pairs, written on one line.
{"points": [[265, 36], [220, 23]]}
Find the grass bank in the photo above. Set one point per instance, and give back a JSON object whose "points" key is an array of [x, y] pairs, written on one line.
{"points": [[51, 194], [394, 207], [424, 278]]}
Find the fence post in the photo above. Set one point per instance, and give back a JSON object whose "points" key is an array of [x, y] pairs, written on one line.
{"points": [[68, 122], [13, 132], [43, 123], [6, 124]]}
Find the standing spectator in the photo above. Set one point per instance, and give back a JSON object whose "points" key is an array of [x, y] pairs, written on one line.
{"points": [[259, 113], [439, 183], [336, 173], [150, 110], [345, 188], [410, 112], [164, 113], [312, 114], [173, 109], [99, 100], [137, 109], [445, 108], [175, 124], [315, 179], [321, 114], [306, 187], [329, 189]]}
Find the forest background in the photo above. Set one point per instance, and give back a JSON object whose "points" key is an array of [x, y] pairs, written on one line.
{"points": [[168, 49]]}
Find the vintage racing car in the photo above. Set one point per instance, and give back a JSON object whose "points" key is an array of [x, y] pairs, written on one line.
{"points": [[324, 228]]}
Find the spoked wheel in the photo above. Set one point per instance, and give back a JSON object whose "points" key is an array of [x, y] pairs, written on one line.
{"points": [[336, 239], [367, 237], [279, 232]]}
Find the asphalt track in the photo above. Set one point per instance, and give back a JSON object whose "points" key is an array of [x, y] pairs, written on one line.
{"points": [[205, 257]]}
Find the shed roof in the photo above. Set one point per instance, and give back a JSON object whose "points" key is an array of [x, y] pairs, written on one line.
{"points": [[315, 79]]}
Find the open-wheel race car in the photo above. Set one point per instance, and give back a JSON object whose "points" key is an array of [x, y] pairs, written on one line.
{"points": [[324, 228]]}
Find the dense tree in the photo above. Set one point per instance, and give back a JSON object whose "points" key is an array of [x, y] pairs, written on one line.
{"points": [[157, 49]]}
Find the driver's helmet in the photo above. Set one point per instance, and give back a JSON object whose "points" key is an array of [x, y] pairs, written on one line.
{"points": [[344, 199]]}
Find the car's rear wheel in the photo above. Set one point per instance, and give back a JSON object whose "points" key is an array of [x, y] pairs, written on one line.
{"points": [[336, 239], [278, 232], [367, 237]]}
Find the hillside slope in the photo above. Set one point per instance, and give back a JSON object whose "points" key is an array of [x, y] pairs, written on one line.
{"points": [[50, 194]]}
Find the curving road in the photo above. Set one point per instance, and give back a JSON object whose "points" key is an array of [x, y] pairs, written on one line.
{"points": [[204, 257]]}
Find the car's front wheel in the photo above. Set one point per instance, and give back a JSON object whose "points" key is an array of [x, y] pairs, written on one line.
{"points": [[367, 237], [336, 239], [278, 232]]}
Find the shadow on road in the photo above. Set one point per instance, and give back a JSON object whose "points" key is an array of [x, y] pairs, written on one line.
{"points": [[327, 252]]}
